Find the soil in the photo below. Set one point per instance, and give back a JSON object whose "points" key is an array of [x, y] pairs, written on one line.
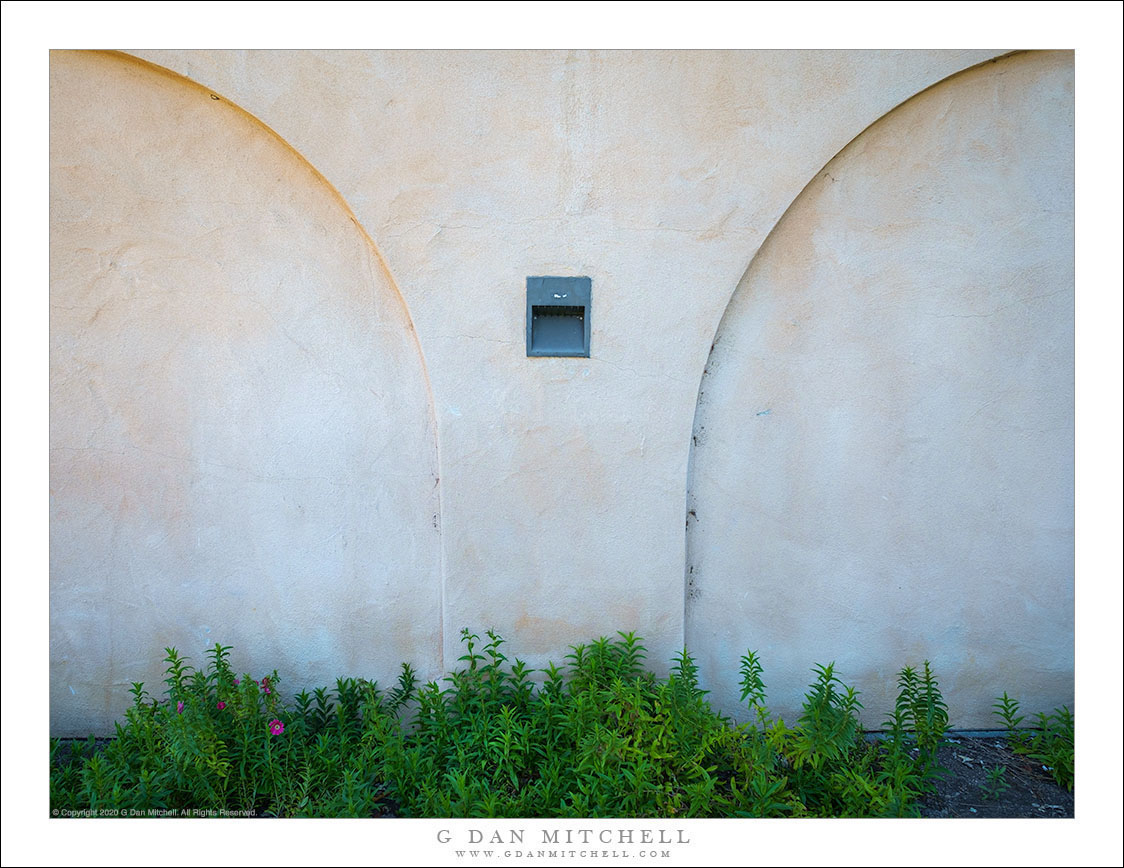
{"points": [[965, 791]]}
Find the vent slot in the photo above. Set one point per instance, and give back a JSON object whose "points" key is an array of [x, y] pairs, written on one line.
{"points": [[558, 316]]}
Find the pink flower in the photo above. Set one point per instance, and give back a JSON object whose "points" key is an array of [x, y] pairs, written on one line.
{"points": [[179, 707], [276, 727], [237, 681], [222, 705], [265, 685]]}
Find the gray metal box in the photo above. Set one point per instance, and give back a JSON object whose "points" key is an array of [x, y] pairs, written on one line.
{"points": [[558, 311]]}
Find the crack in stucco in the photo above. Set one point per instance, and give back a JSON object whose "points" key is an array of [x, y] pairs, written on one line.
{"points": [[478, 338]]}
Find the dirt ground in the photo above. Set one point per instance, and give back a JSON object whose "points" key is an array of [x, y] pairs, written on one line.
{"points": [[967, 791]]}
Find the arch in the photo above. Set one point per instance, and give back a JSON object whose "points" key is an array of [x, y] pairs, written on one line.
{"points": [[243, 446], [881, 462], [650, 172]]}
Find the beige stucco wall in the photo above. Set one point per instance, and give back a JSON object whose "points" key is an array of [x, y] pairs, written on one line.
{"points": [[242, 440], [561, 484], [883, 469]]}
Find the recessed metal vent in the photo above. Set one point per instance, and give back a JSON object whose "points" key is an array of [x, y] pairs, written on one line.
{"points": [[558, 316]]}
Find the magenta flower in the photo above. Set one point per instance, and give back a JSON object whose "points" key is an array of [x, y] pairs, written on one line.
{"points": [[222, 705], [265, 685], [237, 681], [276, 727], [179, 707]]}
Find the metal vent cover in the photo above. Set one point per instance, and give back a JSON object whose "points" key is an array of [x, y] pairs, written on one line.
{"points": [[558, 310]]}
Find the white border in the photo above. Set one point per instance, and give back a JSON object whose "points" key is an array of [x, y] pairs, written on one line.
{"points": [[30, 29]]}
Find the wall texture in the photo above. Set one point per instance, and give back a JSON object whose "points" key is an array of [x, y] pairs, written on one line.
{"points": [[242, 439], [246, 446], [883, 464]]}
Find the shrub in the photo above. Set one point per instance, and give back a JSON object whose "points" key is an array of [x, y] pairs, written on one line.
{"points": [[1050, 743], [600, 737]]}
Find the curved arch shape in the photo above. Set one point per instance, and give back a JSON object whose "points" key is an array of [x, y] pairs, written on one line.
{"points": [[893, 347], [243, 440], [343, 203], [376, 251], [589, 147], [812, 180], [156, 68]]}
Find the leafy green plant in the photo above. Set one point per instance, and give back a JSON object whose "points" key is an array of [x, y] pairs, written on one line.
{"points": [[1051, 743], [829, 723], [600, 736], [996, 783], [920, 717], [1008, 710], [829, 769], [753, 688]]}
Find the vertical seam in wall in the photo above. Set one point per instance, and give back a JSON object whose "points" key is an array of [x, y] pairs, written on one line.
{"points": [[373, 248]]}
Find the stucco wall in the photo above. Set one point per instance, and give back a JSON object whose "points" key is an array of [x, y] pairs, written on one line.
{"points": [[561, 484], [242, 441], [883, 468]]}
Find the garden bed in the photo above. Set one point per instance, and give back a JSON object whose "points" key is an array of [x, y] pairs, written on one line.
{"points": [[971, 787], [600, 737], [966, 789]]}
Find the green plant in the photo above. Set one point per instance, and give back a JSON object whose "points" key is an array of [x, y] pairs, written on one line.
{"points": [[996, 783], [1008, 710], [753, 688], [920, 717], [1051, 743], [829, 723], [219, 743], [599, 737]]}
